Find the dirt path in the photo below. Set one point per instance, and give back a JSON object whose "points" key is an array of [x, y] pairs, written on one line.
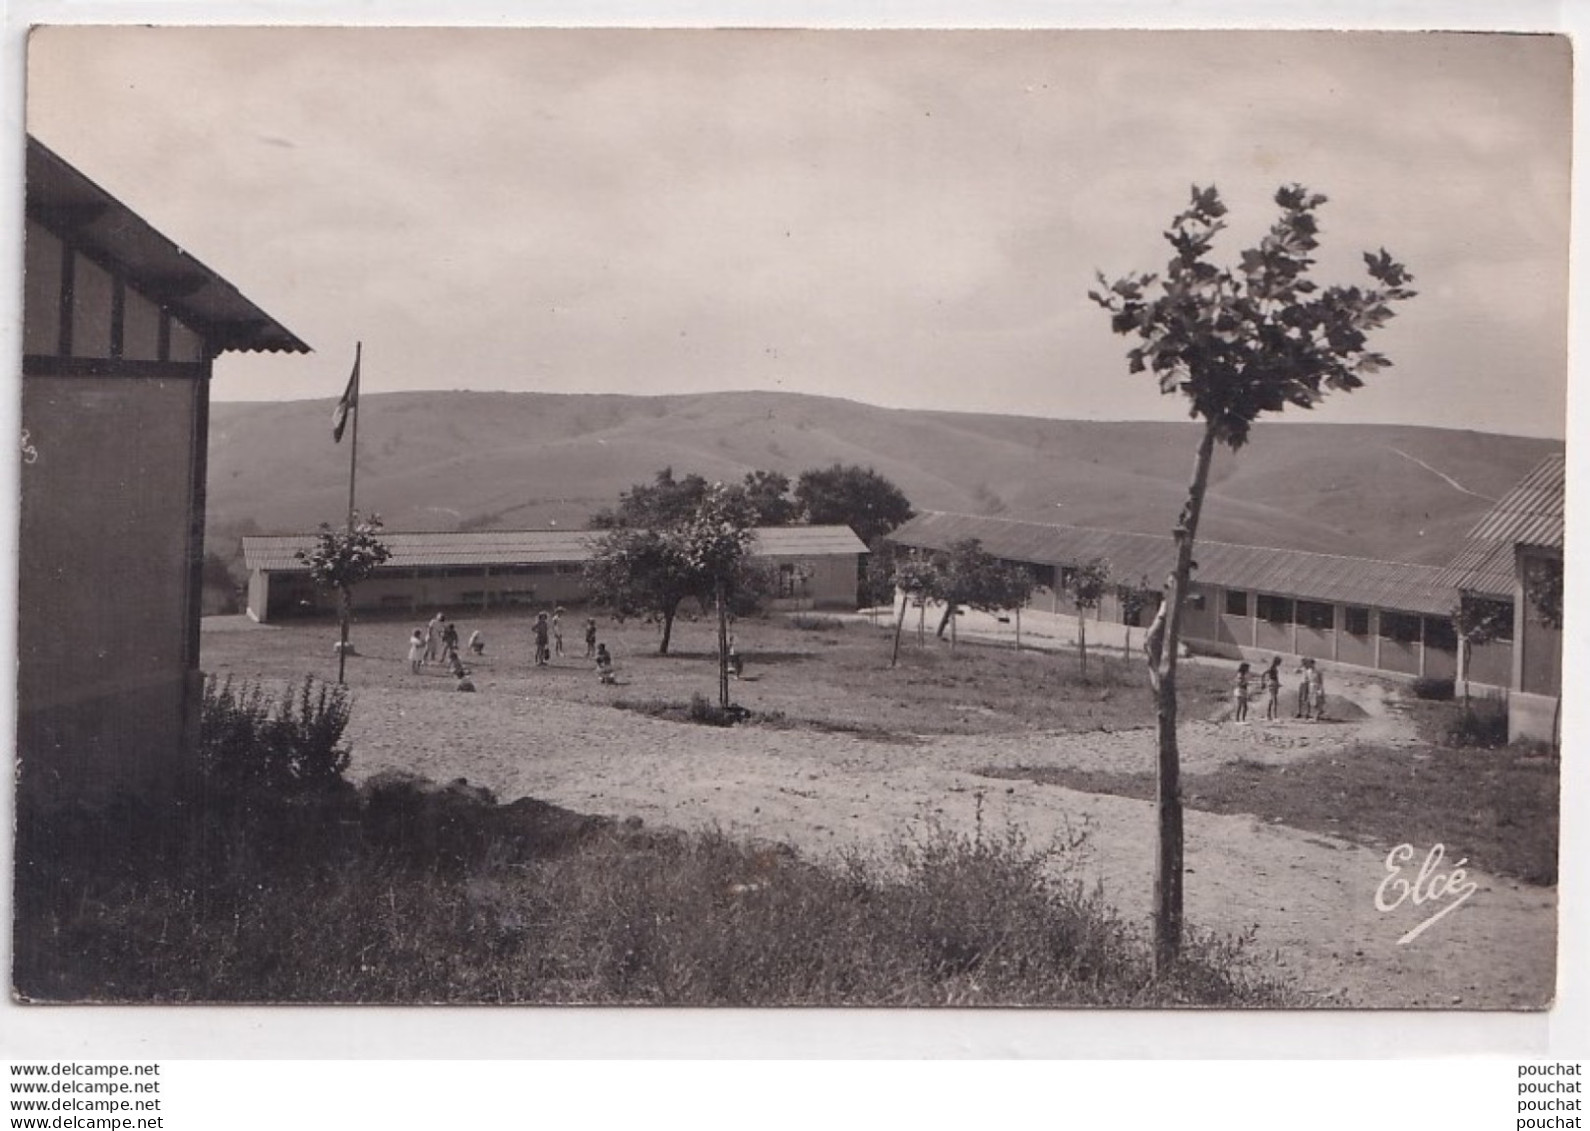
{"points": [[1309, 899]]}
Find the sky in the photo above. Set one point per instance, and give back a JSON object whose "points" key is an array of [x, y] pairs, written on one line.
{"points": [[908, 218]]}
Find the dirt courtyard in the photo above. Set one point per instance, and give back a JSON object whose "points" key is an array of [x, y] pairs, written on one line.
{"points": [[1309, 900]]}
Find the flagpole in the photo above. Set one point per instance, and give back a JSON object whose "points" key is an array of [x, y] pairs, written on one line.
{"points": [[353, 453], [353, 468]]}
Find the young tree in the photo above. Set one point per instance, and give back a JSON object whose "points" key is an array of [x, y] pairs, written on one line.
{"points": [[1135, 598], [1236, 342], [714, 544], [917, 579], [640, 571], [340, 560], [1088, 584], [1012, 587], [1477, 620], [857, 497]]}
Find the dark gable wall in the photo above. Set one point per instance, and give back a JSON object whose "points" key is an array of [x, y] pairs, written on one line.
{"points": [[108, 684]]}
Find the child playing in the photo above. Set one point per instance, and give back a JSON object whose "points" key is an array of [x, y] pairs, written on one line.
{"points": [[590, 638], [477, 643], [542, 633], [1240, 693], [604, 665], [557, 632], [1304, 708], [416, 650], [1270, 683], [1316, 691]]}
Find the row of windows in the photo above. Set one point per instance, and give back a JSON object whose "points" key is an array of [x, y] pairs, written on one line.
{"points": [[1405, 628]]}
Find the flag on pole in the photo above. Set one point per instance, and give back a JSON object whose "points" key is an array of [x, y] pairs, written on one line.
{"points": [[348, 403]]}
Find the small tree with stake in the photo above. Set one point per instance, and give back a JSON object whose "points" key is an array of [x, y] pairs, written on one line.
{"points": [[1236, 342], [339, 561], [1134, 599], [715, 543], [1478, 620], [1089, 582]]}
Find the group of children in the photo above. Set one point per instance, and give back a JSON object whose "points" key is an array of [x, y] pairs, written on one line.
{"points": [[437, 643], [1310, 691], [548, 632]]}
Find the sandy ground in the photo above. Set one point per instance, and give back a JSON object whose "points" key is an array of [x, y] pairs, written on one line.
{"points": [[1309, 899]]}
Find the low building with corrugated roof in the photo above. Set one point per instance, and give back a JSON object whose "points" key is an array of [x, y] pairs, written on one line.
{"points": [[815, 567], [1244, 601]]}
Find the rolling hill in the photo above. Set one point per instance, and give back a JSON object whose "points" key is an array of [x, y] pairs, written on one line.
{"points": [[481, 460]]}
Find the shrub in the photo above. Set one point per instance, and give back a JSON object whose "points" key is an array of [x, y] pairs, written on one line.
{"points": [[708, 713], [290, 748], [807, 622], [1430, 687], [1482, 723]]}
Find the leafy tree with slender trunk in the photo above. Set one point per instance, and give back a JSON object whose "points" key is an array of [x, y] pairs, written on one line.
{"points": [[1236, 342], [339, 560], [917, 579], [1134, 598], [1477, 620], [1087, 585], [715, 544]]}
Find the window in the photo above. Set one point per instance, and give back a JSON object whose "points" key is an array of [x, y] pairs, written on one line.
{"points": [[1276, 610], [1236, 603], [1400, 627], [1439, 633], [1315, 614], [1043, 576], [1357, 620], [787, 584]]}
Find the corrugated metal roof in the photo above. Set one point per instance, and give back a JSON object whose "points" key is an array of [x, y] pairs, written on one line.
{"points": [[1485, 568], [1531, 513], [75, 208], [1295, 573], [792, 541], [275, 552]]}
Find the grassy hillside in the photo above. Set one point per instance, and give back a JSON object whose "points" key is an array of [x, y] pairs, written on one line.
{"points": [[461, 460]]}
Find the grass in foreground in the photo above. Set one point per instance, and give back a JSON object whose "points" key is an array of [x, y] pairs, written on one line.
{"points": [[409, 893], [1497, 807]]}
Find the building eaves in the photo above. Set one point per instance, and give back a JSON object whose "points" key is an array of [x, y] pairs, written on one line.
{"points": [[103, 228]]}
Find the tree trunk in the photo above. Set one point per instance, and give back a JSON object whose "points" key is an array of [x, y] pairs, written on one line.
{"points": [[1082, 639], [921, 624], [723, 644], [668, 627], [1018, 628], [947, 619], [954, 624], [899, 627], [1168, 864], [344, 607]]}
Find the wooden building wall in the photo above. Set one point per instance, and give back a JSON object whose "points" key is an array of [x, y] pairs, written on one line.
{"points": [[115, 416]]}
